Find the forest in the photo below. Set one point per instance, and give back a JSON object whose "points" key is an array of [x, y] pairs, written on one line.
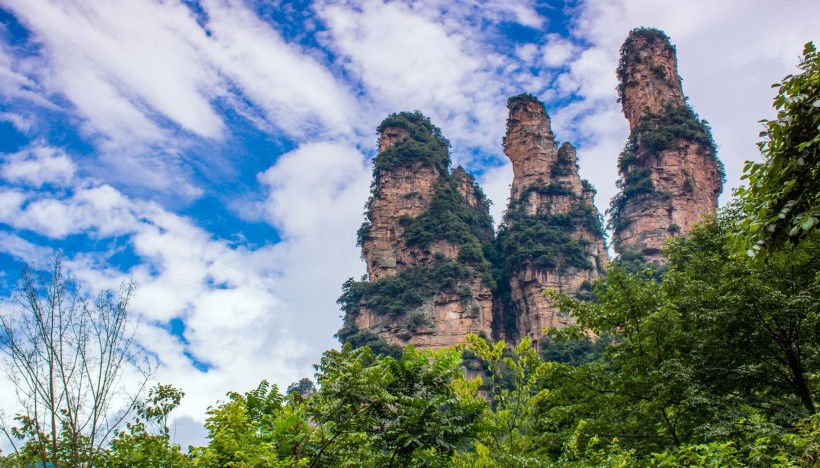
{"points": [[711, 360]]}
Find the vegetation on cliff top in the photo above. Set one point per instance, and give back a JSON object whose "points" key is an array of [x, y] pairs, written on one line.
{"points": [[452, 219], [408, 289], [424, 144], [547, 240], [522, 99]]}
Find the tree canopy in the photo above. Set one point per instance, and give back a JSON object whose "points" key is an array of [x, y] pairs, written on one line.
{"points": [[782, 200]]}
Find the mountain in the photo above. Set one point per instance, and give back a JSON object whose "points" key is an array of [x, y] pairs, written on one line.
{"points": [[424, 243], [670, 174], [552, 235], [436, 271]]}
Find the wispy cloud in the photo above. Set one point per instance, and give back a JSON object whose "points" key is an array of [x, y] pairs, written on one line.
{"points": [[37, 166]]}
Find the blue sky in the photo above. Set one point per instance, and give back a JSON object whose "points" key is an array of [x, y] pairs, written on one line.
{"points": [[218, 151]]}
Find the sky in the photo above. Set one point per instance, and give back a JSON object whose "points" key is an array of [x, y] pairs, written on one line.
{"points": [[218, 152]]}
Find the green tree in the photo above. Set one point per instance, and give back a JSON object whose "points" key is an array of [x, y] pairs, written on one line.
{"points": [[641, 390], [757, 324], [383, 411], [146, 441], [782, 200], [715, 360], [242, 430], [516, 387]]}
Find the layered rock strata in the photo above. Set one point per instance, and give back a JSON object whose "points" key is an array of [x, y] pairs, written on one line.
{"points": [[423, 242], [670, 174], [552, 235]]}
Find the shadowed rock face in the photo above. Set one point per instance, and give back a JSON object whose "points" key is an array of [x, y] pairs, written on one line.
{"points": [[413, 190], [670, 175], [552, 236]]}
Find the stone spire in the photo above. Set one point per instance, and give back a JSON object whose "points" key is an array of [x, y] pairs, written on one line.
{"points": [[670, 174], [423, 242], [552, 236]]}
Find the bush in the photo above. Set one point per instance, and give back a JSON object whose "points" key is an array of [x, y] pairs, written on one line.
{"points": [[545, 240], [395, 295], [418, 320], [425, 144]]}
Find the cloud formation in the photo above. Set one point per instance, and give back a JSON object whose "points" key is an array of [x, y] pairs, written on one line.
{"points": [[123, 105]]}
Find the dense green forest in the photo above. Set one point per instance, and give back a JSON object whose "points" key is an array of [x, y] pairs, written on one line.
{"points": [[713, 362]]}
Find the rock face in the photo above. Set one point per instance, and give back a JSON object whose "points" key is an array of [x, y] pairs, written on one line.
{"points": [[435, 270], [423, 243], [670, 174], [552, 236]]}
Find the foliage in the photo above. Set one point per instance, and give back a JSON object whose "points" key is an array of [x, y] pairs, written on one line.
{"points": [[782, 200], [570, 346], [396, 295], [541, 188], [246, 430], [521, 100], [767, 314], [515, 391], [357, 338], [641, 389], [714, 361], [418, 320], [304, 387], [546, 240], [381, 411], [565, 164], [66, 356], [450, 218], [138, 444], [424, 144], [653, 134]]}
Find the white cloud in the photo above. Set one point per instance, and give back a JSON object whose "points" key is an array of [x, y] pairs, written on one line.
{"points": [[148, 83], [295, 91], [248, 313], [37, 166], [428, 57], [14, 84], [22, 249], [400, 56], [21, 123], [120, 61], [315, 187], [557, 51], [495, 182]]}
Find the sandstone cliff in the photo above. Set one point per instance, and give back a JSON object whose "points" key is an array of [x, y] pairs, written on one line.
{"points": [[670, 174], [424, 240], [552, 236]]}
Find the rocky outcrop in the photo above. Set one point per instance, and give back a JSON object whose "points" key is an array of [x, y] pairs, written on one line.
{"points": [[403, 192], [552, 236], [435, 270], [423, 242], [670, 174]]}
